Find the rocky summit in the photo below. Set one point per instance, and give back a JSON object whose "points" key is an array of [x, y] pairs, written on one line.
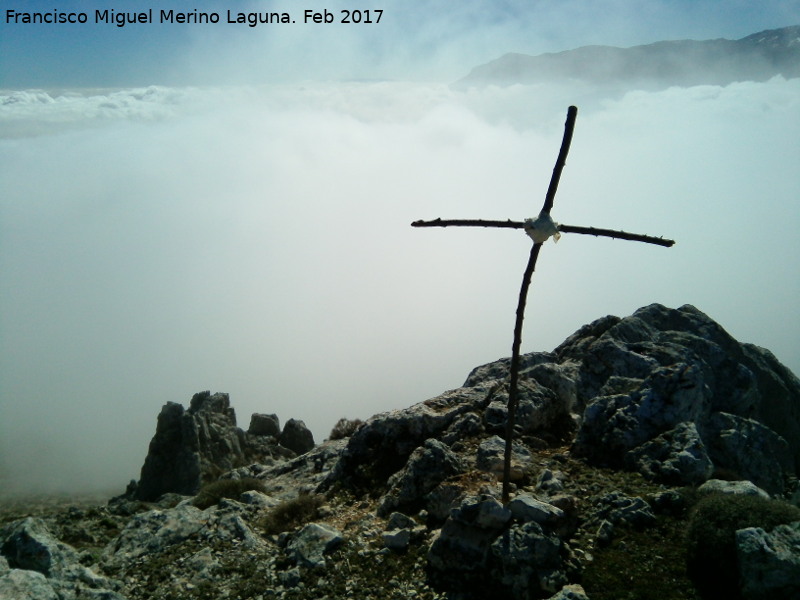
{"points": [[654, 457]]}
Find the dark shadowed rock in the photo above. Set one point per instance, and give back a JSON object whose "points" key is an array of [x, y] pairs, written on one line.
{"points": [[383, 444], [297, 437], [677, 456], [426, 468], [261, 424], [195, 446], [44, 567]]}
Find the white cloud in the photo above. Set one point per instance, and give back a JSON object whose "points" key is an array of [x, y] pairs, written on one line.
{"points": [[157, 242]]}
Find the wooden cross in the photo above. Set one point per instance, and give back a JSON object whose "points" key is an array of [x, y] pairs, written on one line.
{"points": [[539, 229]]}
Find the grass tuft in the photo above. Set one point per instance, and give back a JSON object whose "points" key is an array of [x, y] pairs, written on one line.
{"points": [[212, 493]]}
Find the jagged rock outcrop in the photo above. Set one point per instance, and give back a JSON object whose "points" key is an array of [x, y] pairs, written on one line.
{"points": [[195, 446], [667, 390]]}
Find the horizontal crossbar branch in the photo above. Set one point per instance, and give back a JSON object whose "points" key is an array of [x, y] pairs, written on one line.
{"points": [[509, 224]]}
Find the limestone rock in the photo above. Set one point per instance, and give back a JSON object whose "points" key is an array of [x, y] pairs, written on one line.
{"points": [[614, 509], [769, 563], [29, 545], [309, 546], [570, 592], [643, 378], [156, 531], [458, 559], [45, 567], [550, 482], [676, 457], [529, 561], [261, 424], [745, 488], [527, 508], [427, 466], [297, 437], [30, 585], [491, 458], [383, 444], [153, 531], [750, 449], [396, 539], [195, 446]]}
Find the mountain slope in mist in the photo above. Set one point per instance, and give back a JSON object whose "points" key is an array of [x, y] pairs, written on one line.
{"points": [[757, 57]]}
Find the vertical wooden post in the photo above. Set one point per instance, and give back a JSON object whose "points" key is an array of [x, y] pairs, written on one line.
{"points": [[513, 391]]}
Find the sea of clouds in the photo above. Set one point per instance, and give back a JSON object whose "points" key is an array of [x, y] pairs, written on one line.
{"points": [[157, 241]]}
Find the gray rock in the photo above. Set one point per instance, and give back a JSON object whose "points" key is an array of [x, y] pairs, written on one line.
{"points": [[613, 425], [427, 466], [750, 449], [458, 558], [156, 531], [769, 563], [398, 520], [619, 509], [397, 539], [297, 437], [442, 499], [382, 445], [640, 377], [31, 549], [491, 458], [257, 499], [529, 561], [204, 566], [309, 546], [261, 424], [550, 482], [570, 592], [490, 514], [676, 457], [499, 369], [527, 508], [29, 545], [540, 411], [465, 426], [745, 488], [19, 584]]}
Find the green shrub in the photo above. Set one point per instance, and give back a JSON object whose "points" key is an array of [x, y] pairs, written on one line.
{"points": [[344, 428], [711, 538], [212, 493], [292, 513]]}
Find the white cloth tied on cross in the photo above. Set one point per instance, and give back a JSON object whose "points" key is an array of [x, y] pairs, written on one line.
{"points": [[542, 228]]}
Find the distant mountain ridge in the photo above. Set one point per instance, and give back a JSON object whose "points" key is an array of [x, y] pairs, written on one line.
{"points": [[757, 57]]}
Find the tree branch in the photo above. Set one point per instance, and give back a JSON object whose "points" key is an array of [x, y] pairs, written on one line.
{"points": [[612, 233], [569, 127]]}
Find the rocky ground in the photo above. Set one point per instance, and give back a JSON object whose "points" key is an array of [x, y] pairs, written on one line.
{"points": [[649, 463], [223, 562]]}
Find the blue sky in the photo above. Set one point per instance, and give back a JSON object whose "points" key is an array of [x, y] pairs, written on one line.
{"points": [[420, 39], [171, 224]]}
